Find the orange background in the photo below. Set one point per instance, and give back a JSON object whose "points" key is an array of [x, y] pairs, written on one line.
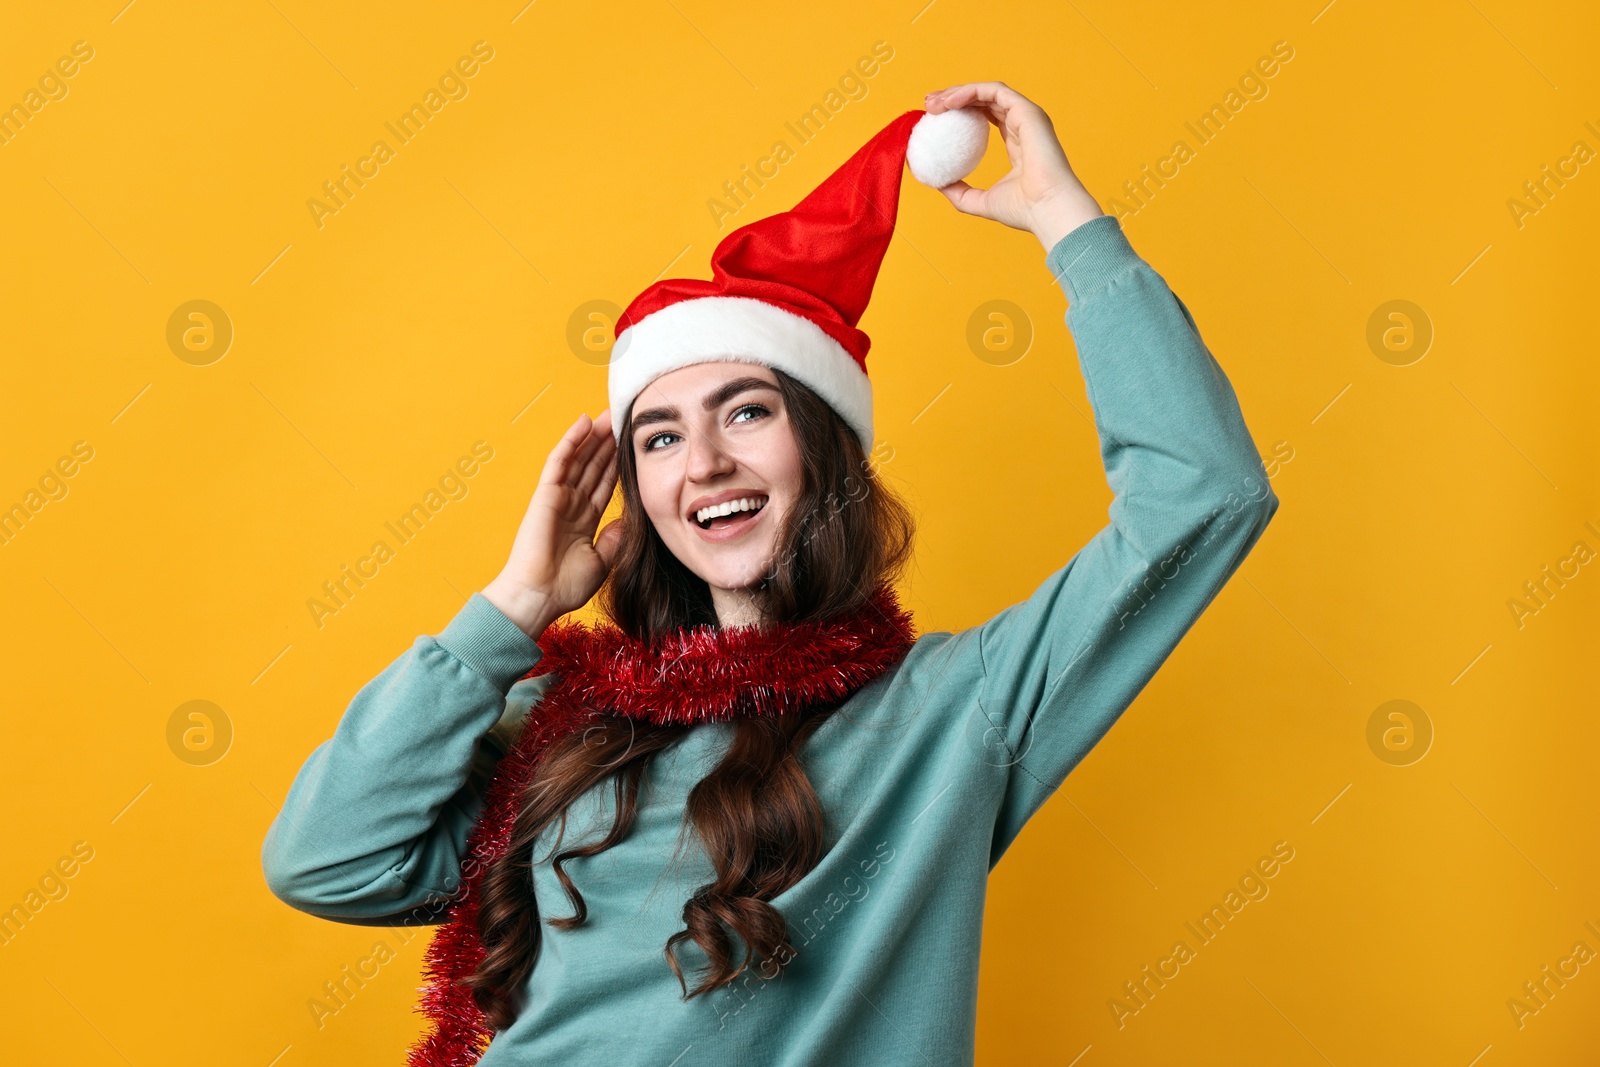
{"points": [[432, 312]]}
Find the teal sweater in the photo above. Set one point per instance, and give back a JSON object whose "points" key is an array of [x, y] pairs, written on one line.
{"points": [[926, 775]]}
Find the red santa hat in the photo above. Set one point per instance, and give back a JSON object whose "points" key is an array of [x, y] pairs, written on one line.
{"points": [[788, 290]]}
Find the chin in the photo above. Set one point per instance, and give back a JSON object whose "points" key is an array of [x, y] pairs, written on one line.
{"points": [[734, 569]]}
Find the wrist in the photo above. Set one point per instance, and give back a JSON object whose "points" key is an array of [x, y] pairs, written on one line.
{"points": [[1060, 213], [529, 609]]}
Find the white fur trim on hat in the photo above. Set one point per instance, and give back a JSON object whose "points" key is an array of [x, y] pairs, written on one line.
{"points": [[947, 147], [738, 329]]}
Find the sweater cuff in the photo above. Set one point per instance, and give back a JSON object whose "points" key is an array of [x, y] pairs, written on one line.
{"points": [[484, 639], [1087, 258]]}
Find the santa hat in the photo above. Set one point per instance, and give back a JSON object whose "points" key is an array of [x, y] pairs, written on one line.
{"points": [[788, 290]]}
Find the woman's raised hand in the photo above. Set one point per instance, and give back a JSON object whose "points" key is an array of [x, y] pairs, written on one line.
{"points": [[556, 561], [1041, 194]]}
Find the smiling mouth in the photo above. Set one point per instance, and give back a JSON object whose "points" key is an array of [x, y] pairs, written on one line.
{"points": [[740, 515]]}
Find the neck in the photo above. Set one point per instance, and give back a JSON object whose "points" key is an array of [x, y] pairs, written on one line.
{"points": [[735, 607]]}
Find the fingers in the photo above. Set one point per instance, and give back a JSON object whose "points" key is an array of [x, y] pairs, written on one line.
{"points": [[1008, 110], [569, 461], [994, 98], [599, 436], [599, 478], [600, 495], [588, 464], [555, 465]]}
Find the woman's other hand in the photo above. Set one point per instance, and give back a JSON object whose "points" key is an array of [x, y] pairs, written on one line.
{"points": [[556, 561], [1041, 194]]}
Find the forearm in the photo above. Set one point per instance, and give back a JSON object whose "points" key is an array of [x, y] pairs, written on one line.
{"points": [[377, 817], [1172, 437]]}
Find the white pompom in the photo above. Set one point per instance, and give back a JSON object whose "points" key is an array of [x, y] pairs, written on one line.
{"points": [[948, 146]]}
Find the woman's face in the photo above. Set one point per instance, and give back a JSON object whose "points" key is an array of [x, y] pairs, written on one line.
{"points": [[709, 434]]}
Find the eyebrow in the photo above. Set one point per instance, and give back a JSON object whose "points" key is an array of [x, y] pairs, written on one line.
{"points": [[713, 400]]}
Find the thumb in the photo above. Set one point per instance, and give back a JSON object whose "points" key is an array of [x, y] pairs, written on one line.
{"points": [[968, 201], [608, 542]]}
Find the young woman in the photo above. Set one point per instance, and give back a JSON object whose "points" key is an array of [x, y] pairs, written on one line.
{"points": [[772, 848]]}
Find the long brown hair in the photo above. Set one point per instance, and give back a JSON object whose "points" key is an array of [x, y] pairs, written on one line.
{"points": [[756, 813]]}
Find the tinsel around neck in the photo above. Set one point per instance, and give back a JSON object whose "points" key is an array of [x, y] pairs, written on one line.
{"points": [[704, 673]]}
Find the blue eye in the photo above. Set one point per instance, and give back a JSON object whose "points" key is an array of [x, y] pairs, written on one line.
{"points": [[650, 442]]}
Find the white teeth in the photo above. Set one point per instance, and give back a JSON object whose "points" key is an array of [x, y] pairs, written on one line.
{"points": [[728, 507]]}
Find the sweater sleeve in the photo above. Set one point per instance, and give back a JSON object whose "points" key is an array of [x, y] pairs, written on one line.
{"points": [[377, 818], [1190, 499]]}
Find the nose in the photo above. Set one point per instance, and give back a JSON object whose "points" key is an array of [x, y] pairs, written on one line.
{"points": [[707, 460]]}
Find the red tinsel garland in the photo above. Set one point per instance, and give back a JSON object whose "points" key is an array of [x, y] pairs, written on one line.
{"points": [[695, 675]]}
